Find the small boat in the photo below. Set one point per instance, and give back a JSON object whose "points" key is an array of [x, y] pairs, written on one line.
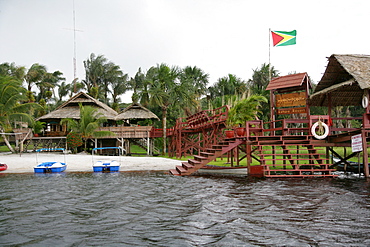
{"points": [[106, 166], [227, 170], [49, 166], [3, 167]]}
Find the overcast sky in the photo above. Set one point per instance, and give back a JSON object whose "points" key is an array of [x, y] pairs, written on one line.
{"points": [[218, 36]]}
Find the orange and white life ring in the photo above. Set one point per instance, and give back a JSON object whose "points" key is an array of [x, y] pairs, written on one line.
{"points": [[365, 101], [326, 130]]}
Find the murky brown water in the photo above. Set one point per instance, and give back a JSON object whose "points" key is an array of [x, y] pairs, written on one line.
{"points": [[154, 209]]}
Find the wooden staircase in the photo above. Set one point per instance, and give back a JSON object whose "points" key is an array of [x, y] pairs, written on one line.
{"points": [[292, 156], [193, 165]]}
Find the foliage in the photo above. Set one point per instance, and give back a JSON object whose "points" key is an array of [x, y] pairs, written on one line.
{"points": [[12, 106], [245, 110], [74, 140], [37, 126], [104, 77]]}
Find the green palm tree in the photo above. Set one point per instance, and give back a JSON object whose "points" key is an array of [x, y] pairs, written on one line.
{"points": [[12, 70], [140, 85], [12, 106], [164, 91], [226, 87], [90, 120], [245, 110], [35, 75], [195, 81], [119, 86]]}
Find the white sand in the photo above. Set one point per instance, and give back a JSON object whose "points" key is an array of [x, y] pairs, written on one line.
{"points": [[25, 162]]}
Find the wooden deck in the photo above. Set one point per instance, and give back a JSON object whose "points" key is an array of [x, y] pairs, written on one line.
{"points": [[284, 148]]}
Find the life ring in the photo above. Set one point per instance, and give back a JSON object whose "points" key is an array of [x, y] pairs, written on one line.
{"points": [[324, 135], [365, 101]]}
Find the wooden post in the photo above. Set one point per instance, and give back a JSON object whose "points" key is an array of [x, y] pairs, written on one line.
{"points": [[365, 153]]}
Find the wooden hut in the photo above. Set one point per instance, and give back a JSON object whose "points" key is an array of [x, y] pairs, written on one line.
{"points": [[130, 132], [346, 82], [125, 133], [71, 109]]}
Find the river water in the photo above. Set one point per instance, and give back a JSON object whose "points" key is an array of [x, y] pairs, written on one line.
{"points": [[155, 209]]}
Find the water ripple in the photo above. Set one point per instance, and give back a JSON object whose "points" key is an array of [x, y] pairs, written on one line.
{"points": [[154, 209]]}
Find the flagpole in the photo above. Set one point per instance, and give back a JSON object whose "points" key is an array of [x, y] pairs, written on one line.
{"points": [[272, 98], [269, 54]]}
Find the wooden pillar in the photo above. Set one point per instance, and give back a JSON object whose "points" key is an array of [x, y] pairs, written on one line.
{"points": [[365, 153]]}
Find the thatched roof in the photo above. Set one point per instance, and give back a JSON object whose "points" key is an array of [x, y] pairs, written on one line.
{"points": [[71, 109], [345, 78], [136, 111], [293, 82]]}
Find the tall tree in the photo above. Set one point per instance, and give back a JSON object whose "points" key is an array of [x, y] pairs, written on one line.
{"points": [[48, 83], [195, 80], [261, 78], [258, 83], [140, 85], [35, 75], [101, 76], [226, 87], [12, 106], [164, 91], [119, 87], [17, 72], [94, 71]]}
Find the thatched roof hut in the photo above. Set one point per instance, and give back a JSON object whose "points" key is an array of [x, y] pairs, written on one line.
{"points": [[71, 109], [136, 111], [346, 79]]}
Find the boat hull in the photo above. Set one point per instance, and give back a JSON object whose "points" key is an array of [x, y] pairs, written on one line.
{"points": [[111, 166], [48, 167], [224, 170], [3, 167]]}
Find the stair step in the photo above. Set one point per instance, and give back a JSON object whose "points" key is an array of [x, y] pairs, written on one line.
{"points": [[174, 172], [181, 170], [194, 162], [187, 166], [200, 157], [207, 154]]}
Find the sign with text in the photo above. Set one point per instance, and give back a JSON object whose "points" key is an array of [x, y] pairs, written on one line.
{"points": [[296, 110], [291, 99], [356, 143]]}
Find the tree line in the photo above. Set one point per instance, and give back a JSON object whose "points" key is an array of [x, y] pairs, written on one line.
{"points": [[168, 91]]}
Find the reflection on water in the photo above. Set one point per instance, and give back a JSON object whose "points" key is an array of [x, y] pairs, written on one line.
{"points": [[154, 209]]}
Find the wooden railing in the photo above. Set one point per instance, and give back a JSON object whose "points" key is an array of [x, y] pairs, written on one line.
{"points": [[300, 126], [202, 119], [128, 131]]}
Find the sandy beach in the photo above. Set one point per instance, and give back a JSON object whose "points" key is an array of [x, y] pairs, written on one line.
{"points": [[25, 162]]}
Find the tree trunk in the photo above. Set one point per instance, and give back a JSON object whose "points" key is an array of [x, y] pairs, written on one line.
{"points": [[7, 141], [164, 124]]}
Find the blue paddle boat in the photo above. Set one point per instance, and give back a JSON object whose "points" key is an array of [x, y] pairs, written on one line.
{"points": [[106, 166], [49, 166]]}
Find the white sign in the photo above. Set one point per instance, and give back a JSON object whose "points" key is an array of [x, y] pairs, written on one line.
{"points": [[356, 143]]}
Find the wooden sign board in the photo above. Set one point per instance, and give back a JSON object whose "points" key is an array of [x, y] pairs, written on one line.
{"points": [[296, 110], [291, 99], [356, 143]]}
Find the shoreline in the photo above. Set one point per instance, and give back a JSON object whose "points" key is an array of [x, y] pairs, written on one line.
{"points": [[24, 163]]}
